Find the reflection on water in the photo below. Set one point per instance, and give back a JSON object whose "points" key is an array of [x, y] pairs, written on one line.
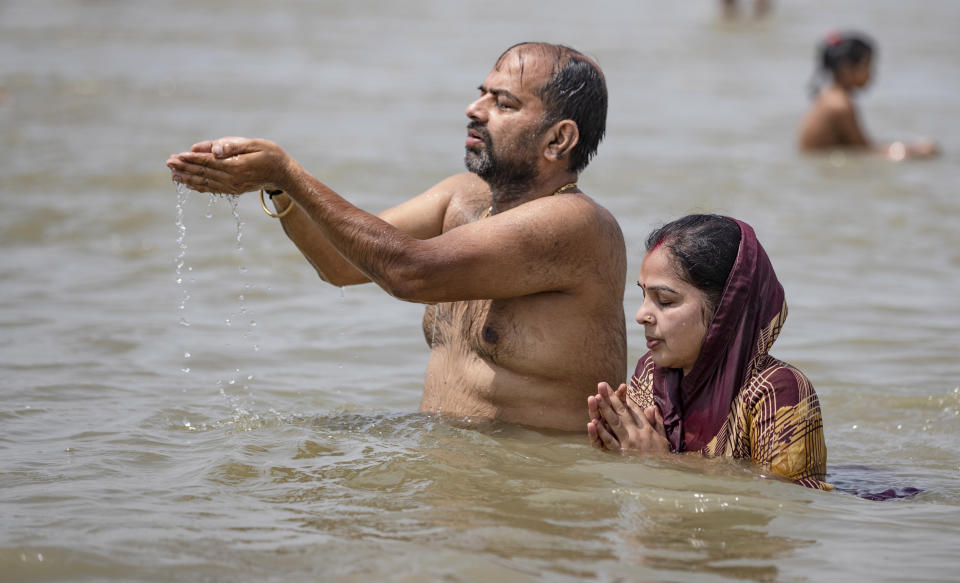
{"points": [[732, 543], [529, 499], [286, 445]]}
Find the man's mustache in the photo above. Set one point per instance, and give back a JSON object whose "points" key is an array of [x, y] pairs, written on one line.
{"points": [[480, 129]]}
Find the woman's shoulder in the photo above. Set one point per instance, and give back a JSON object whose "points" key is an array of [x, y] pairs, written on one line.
{"points": [[786, 425], [775, 379]]}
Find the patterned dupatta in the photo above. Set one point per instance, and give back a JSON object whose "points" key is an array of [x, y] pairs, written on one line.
{"points": [[746, 323]]}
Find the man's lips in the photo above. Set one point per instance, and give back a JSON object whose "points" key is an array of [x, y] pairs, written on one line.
{"points": [[474, 138]]}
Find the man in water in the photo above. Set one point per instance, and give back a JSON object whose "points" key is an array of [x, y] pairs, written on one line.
{"points": [[523, 273]]}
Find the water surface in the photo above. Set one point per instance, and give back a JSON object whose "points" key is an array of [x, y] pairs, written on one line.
{"points": [[276, 436]]}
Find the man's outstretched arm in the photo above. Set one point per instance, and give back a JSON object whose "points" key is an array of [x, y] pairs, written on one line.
{"points": [[533, 248], [421, 217]]}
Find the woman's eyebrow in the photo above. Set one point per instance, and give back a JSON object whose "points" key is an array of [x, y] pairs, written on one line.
{"points": [[659, 288]]}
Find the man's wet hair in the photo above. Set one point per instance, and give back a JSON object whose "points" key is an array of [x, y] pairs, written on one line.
{"points": [[577, 91]]}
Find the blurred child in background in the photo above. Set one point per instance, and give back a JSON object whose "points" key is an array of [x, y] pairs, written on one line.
{"points": [[845, 63]]}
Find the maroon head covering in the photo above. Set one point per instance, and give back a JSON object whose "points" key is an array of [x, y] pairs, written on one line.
{"points": [[746, 323]]}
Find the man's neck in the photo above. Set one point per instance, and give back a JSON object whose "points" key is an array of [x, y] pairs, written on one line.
{"points": [[506, 197]]}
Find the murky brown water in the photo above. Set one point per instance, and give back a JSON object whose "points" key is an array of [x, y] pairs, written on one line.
{"points": [[292, 450]]}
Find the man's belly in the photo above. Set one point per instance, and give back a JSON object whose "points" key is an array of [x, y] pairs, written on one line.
{"points": [[463, 385]]}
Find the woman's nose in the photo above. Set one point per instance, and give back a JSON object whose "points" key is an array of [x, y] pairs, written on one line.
{"points": [[644, 316]]}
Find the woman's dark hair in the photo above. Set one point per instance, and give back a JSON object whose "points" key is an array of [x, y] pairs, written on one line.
{"points": [[576, 91], [703, 249], [839, 49]]}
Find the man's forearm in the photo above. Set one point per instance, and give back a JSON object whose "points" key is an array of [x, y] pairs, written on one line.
{"points": [[330, 228], [309, 239]]}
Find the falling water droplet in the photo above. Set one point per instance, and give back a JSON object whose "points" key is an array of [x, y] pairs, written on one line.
{"points": [[181, 248], [235, 203], [182, 268]]}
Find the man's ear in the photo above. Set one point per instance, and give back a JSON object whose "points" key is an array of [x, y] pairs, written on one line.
{"points": [[563, 138]]}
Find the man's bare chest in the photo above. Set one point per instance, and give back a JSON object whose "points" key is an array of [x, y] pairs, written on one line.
{"points": [[481, 327]]}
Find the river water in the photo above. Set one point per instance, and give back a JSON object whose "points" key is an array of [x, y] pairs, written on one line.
{"points": [[250, 423]]}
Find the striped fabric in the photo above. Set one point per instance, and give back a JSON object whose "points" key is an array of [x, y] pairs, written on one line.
{"points": [[774, 420]]}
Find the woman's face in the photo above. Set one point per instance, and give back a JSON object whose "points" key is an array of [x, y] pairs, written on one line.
{"points": [[673, 313]]}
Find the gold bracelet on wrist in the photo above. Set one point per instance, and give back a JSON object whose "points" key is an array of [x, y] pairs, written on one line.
{"points": [[279, 215]]}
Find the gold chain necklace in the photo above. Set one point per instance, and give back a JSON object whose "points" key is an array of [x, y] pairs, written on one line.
{"points": [[560, 190]]}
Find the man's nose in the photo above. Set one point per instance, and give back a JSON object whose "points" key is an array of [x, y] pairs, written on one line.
{"points": [[476, 112]]}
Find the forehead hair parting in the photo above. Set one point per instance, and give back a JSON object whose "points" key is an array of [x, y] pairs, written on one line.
{"points": [[557, 55]]}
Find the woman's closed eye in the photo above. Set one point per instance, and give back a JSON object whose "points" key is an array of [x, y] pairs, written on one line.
{"points": [[665, 299]]}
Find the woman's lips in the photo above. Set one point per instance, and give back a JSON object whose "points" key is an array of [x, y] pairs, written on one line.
{"points": [[652, 342]]}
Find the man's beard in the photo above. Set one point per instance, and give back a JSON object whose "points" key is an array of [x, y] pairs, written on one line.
{"points": [[508, 176]]}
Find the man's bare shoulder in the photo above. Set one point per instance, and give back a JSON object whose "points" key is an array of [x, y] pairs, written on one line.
{"points": [[577, 214], [465, 197], [463, 186], [580, 232]]}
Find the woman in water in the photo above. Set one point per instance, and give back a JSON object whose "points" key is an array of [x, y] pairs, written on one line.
{"points": [[845, 62], [712, 309]]}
